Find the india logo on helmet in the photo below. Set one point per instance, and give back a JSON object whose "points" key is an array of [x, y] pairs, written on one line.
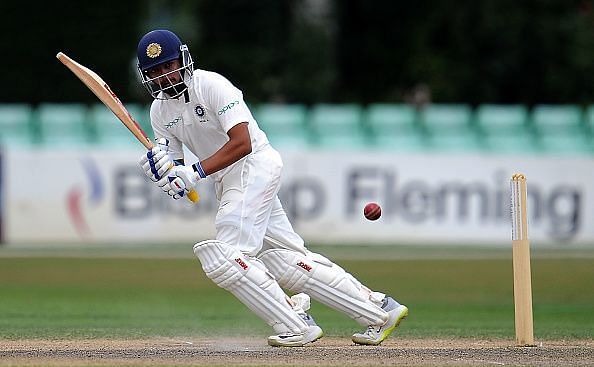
{"points": [[153, 50]]}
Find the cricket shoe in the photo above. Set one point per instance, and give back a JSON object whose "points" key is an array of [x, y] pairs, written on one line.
{"points": [[374, 335], [313, 333]]}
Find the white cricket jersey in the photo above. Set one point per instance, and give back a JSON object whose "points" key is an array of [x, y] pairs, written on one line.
{"points": [[215, 106]]}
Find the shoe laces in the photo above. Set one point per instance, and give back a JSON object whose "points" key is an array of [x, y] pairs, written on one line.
{"points": [[369, 330]]}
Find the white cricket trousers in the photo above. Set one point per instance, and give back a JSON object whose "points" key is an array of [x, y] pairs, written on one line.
{"points": [[249, 207]]}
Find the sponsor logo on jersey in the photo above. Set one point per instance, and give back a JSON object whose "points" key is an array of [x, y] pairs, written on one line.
{"points": [[228, 107], [173, 122]]}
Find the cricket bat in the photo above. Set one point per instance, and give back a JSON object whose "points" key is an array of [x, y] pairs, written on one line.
{"points": [[102, 90]]}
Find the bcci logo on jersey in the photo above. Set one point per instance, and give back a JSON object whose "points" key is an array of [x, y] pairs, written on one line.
{"points": [[200, 112]]}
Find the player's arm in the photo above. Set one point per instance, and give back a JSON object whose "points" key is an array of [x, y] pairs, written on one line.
{"points": [[234, 118], [183, 178], [238, 146]]}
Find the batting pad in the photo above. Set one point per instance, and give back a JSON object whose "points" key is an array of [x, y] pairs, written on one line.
{"points": [[326, 282], [248, 280]]}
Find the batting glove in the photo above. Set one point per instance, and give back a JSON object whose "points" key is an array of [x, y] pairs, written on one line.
{"points": [[182, 179], [173, 186], [156, 163]]}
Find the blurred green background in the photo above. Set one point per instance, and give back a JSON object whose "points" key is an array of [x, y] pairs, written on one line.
{"points": [[495, 75], [312, 51]]}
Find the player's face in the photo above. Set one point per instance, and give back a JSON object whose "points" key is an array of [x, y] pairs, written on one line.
{"points": [[166, 76]]}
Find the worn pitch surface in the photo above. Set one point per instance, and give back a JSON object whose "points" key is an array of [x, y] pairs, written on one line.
{"points": [[326, 352]]}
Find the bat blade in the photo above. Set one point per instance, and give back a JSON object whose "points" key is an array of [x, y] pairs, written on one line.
{"points": [[102, 90]]}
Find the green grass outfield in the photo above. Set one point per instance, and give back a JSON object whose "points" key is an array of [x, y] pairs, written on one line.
{"points": [[126, 297]]}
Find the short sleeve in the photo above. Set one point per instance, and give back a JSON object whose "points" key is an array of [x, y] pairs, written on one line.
{"points": [[227, 101]]}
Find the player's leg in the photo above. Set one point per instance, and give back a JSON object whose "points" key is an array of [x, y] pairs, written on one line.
{"points": [[248, 280], [300, 270], [246, 196]]}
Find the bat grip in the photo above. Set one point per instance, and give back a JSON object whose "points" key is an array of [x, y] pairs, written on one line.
{"points": [[193, 196]]}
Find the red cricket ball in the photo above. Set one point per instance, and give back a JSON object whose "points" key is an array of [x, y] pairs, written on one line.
{"points": [[372, 211]]}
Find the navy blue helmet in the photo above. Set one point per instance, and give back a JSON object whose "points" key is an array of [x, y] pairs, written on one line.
{"points": [[160, 47]]}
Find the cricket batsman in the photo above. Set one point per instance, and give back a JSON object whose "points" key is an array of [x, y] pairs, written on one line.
{"points": [[255, 251]]}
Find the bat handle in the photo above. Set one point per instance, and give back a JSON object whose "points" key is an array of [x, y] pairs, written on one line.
{"points": [[193, 196]]}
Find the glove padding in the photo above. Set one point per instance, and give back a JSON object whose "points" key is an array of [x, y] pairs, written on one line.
{"points": [[156, 163], [179, 181]]}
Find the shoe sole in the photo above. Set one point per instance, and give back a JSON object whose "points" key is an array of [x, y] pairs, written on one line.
{"points": [[386, 332], [317, 335]]}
